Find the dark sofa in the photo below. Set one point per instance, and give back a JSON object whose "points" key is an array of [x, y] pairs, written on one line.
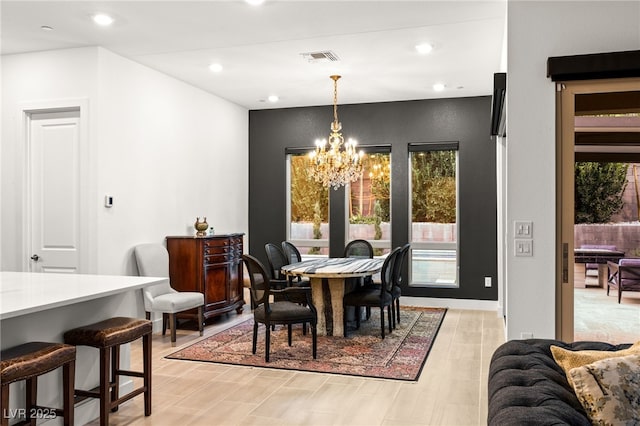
{"points": [[527, 387]]}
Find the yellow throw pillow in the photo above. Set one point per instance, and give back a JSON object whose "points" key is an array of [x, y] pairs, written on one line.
{"points": [[568, 359], [609, 390]]}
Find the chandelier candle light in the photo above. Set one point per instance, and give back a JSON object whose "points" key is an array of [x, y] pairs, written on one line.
{"points": [[339, 163]]}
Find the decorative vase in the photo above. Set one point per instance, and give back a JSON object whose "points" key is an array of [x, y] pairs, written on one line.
{"points": [[201, 227]]}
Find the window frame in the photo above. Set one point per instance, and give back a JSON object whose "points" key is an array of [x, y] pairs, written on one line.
{"points": [[376, 244], [431, 147], [323, 243]]}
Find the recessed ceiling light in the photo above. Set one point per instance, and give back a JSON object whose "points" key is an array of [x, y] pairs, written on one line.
{"points": [[273, 98], [438, 87], [102, 19], [255, 2], [215, 67], [46, 28], [424, 48]]}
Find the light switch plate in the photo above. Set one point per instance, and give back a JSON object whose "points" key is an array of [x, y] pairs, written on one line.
{"points": [[523, 229], [523, 247]]}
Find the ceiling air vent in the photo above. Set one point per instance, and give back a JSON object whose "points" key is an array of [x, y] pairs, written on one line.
{"points": [[324, 56]]}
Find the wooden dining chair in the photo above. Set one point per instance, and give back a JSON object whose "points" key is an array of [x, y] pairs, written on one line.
{"points": [[398, 278], [372, 297], [361, 249], [293, 255], [358, 248], [291, 252], [285, 311]]}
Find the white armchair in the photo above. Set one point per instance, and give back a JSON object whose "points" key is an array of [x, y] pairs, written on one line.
{"points": [[153, 261]]}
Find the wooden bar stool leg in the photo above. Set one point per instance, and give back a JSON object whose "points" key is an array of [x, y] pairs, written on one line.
{"points": [[108, 335], [146, 361], [68, 377], [104, 386], [4, 405], [31, 398], [115, 377]]}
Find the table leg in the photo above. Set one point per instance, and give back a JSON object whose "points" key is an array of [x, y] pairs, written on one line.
{"points": [[319, 298], [603, 272], [336, 288], [318, 301]]}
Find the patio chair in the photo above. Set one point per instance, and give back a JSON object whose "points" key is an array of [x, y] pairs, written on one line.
{"points": [[624, 275]]}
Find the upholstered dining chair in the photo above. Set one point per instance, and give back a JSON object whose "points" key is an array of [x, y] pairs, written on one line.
{"points": [[624, 275], [358, 248], [398, 278], [153, 261], [361, 249], [291, 252], [276, 259], [284, 311], [372, 297], [293, 255]]}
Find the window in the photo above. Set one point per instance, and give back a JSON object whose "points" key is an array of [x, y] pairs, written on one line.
{"points": [[434, 212], [307, 208], [369, 202]]}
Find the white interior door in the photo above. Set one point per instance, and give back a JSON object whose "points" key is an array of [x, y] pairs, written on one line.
{"points": [[54, 147]]}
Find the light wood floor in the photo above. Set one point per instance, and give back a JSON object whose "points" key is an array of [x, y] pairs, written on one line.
{"points": [[451, 389]]}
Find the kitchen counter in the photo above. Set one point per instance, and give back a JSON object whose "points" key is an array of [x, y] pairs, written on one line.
{"points": [[42, 306], [23, 293]]}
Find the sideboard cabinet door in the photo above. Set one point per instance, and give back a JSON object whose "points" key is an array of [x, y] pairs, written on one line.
{"points": [[211, 265]]}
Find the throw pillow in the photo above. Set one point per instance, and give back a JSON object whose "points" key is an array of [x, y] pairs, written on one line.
{"points": [[568, 359], [609, 390]]}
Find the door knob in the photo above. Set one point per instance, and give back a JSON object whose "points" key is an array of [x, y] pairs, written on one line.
{"points": [[35, 257]]}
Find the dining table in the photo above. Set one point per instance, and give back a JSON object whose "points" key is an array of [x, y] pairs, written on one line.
{"points": [[328, 278]]}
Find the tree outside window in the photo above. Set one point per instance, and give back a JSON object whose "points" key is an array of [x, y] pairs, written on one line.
{"points": [[309, 206]]}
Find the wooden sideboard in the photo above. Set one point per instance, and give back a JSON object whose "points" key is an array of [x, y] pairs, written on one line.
{"points": [[211, 265]]}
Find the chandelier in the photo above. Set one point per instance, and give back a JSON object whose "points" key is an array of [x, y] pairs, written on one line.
{"points": [[338, 163]]}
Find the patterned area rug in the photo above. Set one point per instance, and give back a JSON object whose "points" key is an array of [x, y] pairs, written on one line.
{"points": [[401, 355]]}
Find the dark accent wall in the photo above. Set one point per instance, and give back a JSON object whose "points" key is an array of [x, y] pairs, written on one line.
{"points": [[396, 124]]}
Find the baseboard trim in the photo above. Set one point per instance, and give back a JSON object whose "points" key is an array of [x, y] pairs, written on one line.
{"points": [[469, 304]]}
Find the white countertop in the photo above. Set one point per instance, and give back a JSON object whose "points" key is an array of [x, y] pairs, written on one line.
{"points": [[26, 292]]}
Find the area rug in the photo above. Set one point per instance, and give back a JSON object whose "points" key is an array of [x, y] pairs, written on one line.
{"points": [[400, 356]]}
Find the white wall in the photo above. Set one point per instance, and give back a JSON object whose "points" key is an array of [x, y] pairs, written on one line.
{"points": [[166, 151], [536, 31], [33, 78]]}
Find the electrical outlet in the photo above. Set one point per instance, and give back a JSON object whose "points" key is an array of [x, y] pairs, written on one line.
{"points": [[487, 282], [526, 335]]}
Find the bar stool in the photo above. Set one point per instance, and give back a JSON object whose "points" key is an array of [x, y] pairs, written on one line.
{"points": [[107, 336], [27, 362]]}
